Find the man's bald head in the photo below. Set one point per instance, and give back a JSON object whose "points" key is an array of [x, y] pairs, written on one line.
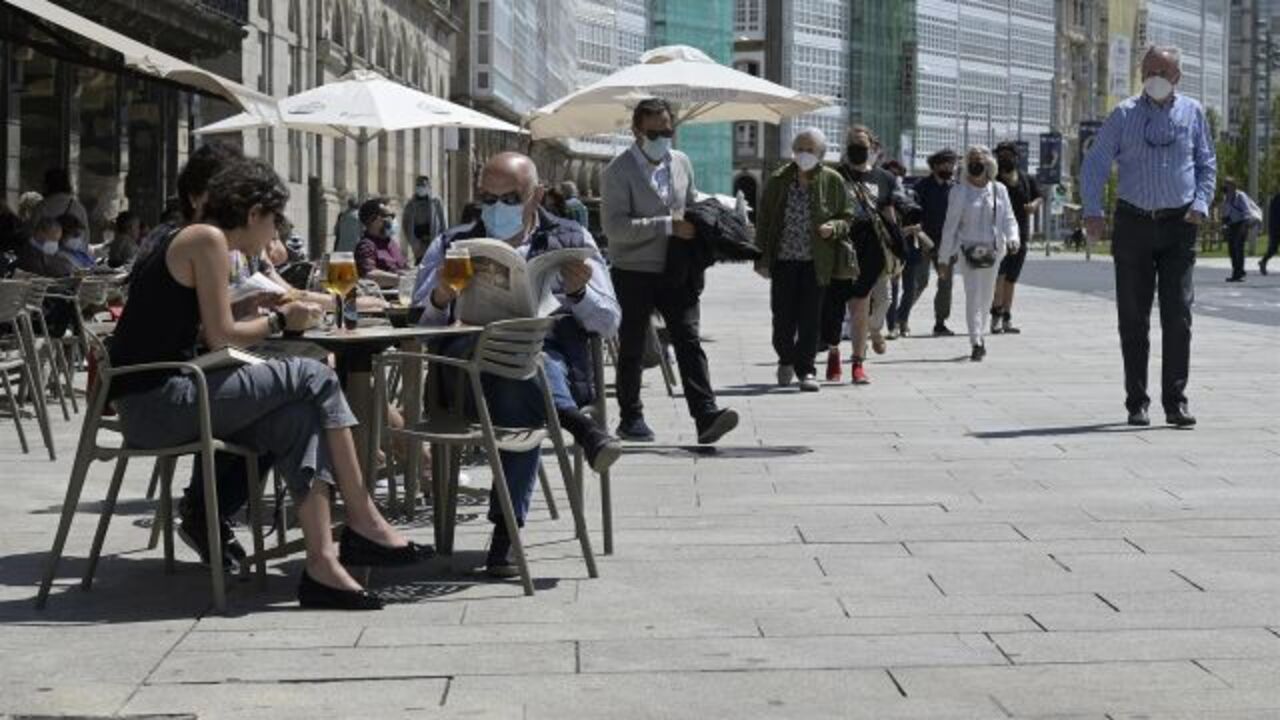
{"points": [[507, 172], [1165, 62]]}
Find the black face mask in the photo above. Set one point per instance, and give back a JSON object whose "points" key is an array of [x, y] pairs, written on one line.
{"points": [[977, 169], [858, 154], [1006, 165]]}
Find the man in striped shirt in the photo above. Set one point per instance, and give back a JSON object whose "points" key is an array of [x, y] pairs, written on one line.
{"points": [[1159, 140]]}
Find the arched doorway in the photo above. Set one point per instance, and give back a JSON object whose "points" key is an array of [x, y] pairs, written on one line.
{"points": [[750, 189]]}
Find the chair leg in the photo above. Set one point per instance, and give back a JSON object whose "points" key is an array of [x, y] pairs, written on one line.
{"points": [[546, 493], [155, 480], [157, 522], [212, 527], [166, 512], [76, 484], [255, 520], [104, 521], [606, 511], [500, 483], [668, 374], [572, 487], [282, 513], [449, 498], [64, 368], [34, 378], [16, 409]]}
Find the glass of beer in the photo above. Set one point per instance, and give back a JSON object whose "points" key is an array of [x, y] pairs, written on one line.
{"points": [[458, 269], [405, 288], [340, 278]]}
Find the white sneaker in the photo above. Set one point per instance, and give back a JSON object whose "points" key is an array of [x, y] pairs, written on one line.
{"points": [[786, 374], [809, 383]]}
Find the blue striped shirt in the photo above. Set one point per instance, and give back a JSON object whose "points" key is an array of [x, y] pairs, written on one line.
{"points": [[1164, 153]]}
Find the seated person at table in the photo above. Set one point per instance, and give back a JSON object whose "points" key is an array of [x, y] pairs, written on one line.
{"points": [[511, 210], [378, 255], [124, 246], [291, 408], [75, 243], [42, 253]]}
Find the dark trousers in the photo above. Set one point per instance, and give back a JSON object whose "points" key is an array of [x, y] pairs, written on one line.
{"points": [[915, 278], [1151, 254], [942, 298], [835, 305], [640, 294], [1273, 247], [233, 483], [795, 298], [895, 302], [1237, 236]]}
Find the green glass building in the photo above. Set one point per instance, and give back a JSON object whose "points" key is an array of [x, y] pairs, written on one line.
{"points": [[708, 26], [881, 52]]}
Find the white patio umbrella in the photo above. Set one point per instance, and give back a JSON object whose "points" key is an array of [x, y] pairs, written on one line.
{"points": [[362, 105], [702, 90]]}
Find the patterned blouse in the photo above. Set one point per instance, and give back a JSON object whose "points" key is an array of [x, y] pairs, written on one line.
{"points": [[796, 232]]}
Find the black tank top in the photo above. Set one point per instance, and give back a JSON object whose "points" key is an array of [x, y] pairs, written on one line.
{"points": [[160, 323]]}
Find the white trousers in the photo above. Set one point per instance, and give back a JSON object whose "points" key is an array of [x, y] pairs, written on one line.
{"points": [[979, 291], [879, 306]]}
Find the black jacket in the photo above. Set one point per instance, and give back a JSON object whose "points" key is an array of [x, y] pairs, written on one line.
{"points": [[722, 236]]}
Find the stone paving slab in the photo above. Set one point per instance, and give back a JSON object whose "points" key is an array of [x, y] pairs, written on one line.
{"points": [[952, 541]]}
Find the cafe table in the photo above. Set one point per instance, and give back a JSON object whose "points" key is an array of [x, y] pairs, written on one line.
{"points": [[354, 350]]}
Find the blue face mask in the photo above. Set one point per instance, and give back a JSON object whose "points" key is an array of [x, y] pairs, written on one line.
{"points": [[657, 148], [502, 221]]}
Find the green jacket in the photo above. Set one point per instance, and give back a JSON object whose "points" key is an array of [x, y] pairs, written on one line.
{"points": [[828, 202]]}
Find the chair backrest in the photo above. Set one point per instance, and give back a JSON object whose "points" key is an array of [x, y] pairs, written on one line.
{"points": [[13, 300], [512, 348]]}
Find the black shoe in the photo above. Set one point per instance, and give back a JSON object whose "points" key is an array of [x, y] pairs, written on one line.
{"points": [[194, 534], [996, 327], [1236, 278], [941, 330], [1139, 418], [1180, 416], [1262, 267], [312, 594], [602, 451], [499, 563], [635, 429], [1009, 329], [979, 352], [358, 550], [716, 425]]}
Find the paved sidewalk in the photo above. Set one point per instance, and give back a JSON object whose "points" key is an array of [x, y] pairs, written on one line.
{"points": [[955, 540]]}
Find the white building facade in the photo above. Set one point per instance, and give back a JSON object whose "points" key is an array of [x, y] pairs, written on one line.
{"points": [[815, 59], [1198, 28]]}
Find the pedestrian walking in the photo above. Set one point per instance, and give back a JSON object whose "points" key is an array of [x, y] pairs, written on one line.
{"points": [[1167, 169], [646, 191], [899, 171], [1238, 219], [423, 220], [577, 210], [1273, 233], [348, 229], [1024, 197], [872, 194], [932, 193], [803, 235], [980, 231]]}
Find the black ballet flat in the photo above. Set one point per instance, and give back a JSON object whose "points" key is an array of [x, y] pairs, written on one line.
{"points": [[315, 596], [355, 549]]}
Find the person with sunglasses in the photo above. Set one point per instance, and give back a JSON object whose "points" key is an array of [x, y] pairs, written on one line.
{"points": [[378, 255], [1160, 142], [511, 210], [646, 191]]}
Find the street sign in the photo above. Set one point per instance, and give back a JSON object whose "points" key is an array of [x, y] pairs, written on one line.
{"points": [[1050, 159]]}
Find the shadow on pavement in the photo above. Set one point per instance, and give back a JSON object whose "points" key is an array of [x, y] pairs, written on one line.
{"points": [[1104, 428], [724, 452]]}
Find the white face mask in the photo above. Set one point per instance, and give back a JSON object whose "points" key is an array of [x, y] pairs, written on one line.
{"points": [[657, 148], [422, 191], [76, 242], [806, 161], [1157, 88], [49, 247]]}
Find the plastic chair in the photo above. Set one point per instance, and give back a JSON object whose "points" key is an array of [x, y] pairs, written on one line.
{"points": [[60, 372], [13, 313], [90, 449], [509, 349]]}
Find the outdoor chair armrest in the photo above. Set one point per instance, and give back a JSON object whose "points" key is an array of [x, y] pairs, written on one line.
{"points": [[399, 356], [189, 368]]}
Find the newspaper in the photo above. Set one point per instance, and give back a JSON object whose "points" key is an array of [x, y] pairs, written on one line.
{"points": [[505, 286], [255, 284]]}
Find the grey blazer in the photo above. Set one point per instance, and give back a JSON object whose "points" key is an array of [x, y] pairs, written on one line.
{"points": [[635, 219]]}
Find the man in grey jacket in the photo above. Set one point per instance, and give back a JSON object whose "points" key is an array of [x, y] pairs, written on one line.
{"points": [[646, 190]]}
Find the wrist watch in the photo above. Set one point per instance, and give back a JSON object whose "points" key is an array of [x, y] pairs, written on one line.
{"points": [[275, 322]]}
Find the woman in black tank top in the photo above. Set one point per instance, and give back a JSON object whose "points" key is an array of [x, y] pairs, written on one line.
{"points": [[292, 409]]}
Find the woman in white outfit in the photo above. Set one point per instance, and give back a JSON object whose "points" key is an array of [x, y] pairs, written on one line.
{"points": [[980, 227]]}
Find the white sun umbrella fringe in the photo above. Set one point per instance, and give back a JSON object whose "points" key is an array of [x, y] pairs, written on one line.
{"points": [[702, 91]]}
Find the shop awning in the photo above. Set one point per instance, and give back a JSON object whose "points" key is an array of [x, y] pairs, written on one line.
{"points": [[147, 60]]}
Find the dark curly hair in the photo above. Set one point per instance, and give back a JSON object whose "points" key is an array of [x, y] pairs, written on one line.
{"points": [[238, 188], [208, 160]]}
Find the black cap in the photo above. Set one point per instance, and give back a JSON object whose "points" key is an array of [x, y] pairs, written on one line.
{"points": [[942, 156]]}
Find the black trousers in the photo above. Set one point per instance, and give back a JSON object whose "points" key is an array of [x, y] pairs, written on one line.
{"points": [[1150, 256], [233, 483], [640, 294], [795, 298], [835, 304], [1273, 246], [1237, 236]]}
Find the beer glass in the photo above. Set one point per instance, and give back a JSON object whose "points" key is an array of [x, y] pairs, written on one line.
{"points": [[340, 279], [458, 269], [407, 281]]}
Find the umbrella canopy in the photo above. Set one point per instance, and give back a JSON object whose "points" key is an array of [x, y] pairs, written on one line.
{"points": [[363, 104], [702, 90]]}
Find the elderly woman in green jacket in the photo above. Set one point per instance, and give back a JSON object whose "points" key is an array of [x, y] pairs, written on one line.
{"points": [[803, 232]]}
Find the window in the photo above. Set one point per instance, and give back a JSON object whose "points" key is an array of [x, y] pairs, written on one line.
{"points": [[296, 152], [294, 21], [381, 51], [264, 9], [339, 33], [360, 48], [746, 16], [264, 68]]}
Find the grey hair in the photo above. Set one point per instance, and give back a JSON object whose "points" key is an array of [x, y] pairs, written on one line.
{"points": [[816, 135], [569, 188], [988, 160], [1171, 51]]}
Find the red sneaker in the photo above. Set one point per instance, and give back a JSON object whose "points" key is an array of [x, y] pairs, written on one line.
{"points": [[834, 369], [860, 375]]}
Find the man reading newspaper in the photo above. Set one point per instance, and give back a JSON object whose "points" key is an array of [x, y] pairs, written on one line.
{"points": [[580, 295]]}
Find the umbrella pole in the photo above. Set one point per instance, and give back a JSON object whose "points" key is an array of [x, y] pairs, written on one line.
{"points": [[362, 165]]}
